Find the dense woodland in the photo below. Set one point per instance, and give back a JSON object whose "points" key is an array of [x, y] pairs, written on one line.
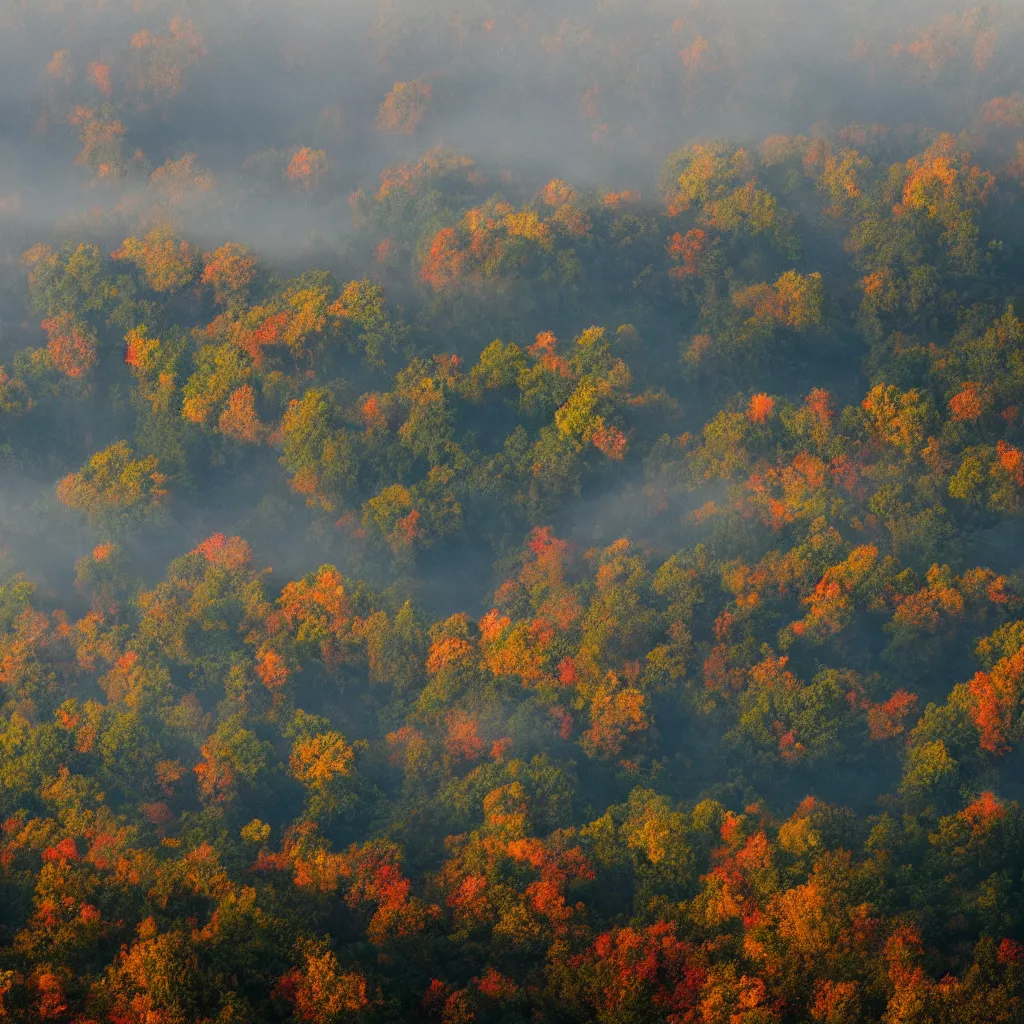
{"points": [[511, 514]]}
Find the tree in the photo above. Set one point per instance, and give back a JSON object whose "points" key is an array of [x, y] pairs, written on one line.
{"points": [[230, 271], [404, 107], [115, 490], [306, 167], [167, 263], [320, 991]]}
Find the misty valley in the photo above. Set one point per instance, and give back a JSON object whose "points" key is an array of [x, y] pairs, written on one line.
{"points": [[511, 512]]}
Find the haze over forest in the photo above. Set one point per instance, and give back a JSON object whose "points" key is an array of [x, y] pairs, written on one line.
{"points": [[511, 512]]}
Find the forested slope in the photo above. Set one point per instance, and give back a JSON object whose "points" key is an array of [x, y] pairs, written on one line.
{"points": [[561, 568]]}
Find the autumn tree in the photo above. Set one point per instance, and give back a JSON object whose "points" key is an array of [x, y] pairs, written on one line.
{"points": [[114, 489]]}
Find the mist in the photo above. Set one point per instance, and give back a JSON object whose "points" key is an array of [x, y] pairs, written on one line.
{"points": [[511, 512], [598, 94]]}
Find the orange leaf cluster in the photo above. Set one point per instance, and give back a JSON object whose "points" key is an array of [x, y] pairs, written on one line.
{"points": [[687, 250], [1011, 459], [230, 553], [793, 301], [306, 167], [616, 713], [437, 164], [968, 404], [463, 741], [168, 263], [320, 992], [995, 702], [1004, 111], [983, 812], [830, 604], [446, 262], [71, 346], [784, 494], [272, 669], [239, 418], [609, 440], [761, 408], [229, 270], [317, 760], [215, 776], [448, 650], [628, 966], [886, 720]]}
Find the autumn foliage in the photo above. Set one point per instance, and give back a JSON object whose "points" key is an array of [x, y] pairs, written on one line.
{"points": [[572, 577]]}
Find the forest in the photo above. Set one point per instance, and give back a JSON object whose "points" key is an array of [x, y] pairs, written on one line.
{"points": [[511, 512]]}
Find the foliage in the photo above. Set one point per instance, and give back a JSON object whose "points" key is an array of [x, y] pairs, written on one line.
{"points": [[596, 605]]}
